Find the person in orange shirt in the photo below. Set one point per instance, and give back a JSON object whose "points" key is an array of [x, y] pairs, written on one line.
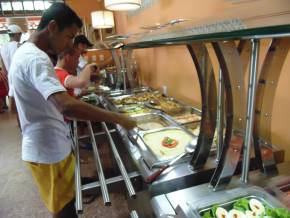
{"points": [[66, 68]]}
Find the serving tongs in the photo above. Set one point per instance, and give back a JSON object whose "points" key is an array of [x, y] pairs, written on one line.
{"points": [[135, 132], [153, 104], [189, 149]]}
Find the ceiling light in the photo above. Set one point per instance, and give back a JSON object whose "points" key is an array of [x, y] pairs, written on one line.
{"points": [[122, 5]]}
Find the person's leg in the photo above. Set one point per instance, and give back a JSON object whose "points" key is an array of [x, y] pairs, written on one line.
{"points": [[69, 211], [13, 109], [1, 105], [5, 106], [57, 189]]}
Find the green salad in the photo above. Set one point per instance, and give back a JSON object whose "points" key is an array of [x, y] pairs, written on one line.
{"points": [[246, 208]]}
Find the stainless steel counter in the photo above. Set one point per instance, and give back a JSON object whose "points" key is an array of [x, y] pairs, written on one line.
{"points": [[178, 201]]}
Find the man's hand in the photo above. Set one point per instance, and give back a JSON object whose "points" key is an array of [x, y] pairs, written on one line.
{"points": [[127, 122], [92, 68], [70, 107]]}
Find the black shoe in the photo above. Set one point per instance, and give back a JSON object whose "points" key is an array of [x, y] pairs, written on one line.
{"points": [[86, 146]]}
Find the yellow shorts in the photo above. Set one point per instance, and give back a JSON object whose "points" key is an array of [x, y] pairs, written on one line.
{"points": [[55, 182]]}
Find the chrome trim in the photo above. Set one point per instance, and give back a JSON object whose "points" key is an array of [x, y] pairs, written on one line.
{"points": [[78, 184], [220, 115], [250, 108]]}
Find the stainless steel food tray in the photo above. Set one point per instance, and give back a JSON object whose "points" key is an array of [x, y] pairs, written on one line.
{"points": [[225, 198], [151, 117], [149, 156], [114, 93]]}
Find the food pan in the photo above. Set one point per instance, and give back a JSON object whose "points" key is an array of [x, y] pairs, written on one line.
{"points": [[150, 152], [227, 198], [152, 121]]}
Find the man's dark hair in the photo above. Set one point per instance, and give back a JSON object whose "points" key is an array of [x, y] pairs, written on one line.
{"points": [[63, 15]]}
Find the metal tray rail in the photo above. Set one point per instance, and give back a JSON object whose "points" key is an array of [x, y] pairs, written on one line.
{"points": [[99, 167], [130, 188], [78, 184]]}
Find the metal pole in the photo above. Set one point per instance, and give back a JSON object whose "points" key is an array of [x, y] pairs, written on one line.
{"points": [[102, 179], [250, 108], [120, 164], [118, 66], [123, 69], [78, 184], [220, 116], [101, 35]]}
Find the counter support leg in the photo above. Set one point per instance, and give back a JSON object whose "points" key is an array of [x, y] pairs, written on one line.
{"points": [[250, 109]]}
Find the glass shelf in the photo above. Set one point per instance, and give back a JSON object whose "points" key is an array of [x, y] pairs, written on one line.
{"points": [[184, 36]]}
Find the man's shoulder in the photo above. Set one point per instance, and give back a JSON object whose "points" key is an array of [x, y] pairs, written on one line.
{"points": [[27, 53]]}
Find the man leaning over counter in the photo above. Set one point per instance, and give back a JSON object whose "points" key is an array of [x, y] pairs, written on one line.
{"points": [[43, 102]]}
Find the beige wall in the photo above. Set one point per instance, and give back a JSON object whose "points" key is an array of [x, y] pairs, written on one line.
{"points": [[85, 7], [173, 67]]}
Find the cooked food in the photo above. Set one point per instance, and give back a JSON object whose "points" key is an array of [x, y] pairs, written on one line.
{"points": [[154, 142], [136, 109], [188, 118], [256, 206], [169, 142], [195, 129], [221, 213], [156, 100], [170, 107], [141, 97]]}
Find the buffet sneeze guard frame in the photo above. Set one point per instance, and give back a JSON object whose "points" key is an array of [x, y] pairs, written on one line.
{"points": [[266, 90], [231, 68], [206, 78], [236, 117]]}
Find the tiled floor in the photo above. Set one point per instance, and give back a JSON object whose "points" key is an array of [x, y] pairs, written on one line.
{"points": [[18, 196]]}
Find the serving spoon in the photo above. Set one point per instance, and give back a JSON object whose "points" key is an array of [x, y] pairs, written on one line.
{"points": [[189, 149]]}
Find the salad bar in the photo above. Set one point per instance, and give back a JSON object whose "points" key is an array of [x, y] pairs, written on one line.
{"points": [[237, 200], [173, 143]]}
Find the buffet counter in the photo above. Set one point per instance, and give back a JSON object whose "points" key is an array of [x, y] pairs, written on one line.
{"points": [[182, 203]]}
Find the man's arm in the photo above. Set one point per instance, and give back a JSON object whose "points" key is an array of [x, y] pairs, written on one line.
{"points": [[82, 80], [70, 107]]}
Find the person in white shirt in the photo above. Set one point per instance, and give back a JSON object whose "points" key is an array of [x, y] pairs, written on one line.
{"points": [[6, 53], [81, 43], [42, 103]]}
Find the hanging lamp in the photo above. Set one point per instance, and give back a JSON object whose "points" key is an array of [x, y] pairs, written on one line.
{"points": [[122, 5], [102, 19]]}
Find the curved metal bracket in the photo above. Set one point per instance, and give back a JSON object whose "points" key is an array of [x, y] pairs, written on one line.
{"points": [[231, 67], [207, 83], [266, 90]]}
